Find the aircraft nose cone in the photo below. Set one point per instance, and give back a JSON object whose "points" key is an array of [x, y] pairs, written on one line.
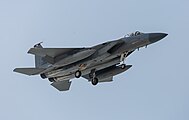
{"points": [[154, 37]]}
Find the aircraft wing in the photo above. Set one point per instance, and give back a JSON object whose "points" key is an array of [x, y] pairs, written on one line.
{"points": [[51, 52], [62, 56], [62, 85]]}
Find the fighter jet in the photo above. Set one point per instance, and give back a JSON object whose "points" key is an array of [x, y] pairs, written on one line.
{"points": [[97, 64]]}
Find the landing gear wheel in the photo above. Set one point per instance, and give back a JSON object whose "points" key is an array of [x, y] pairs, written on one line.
{"points": [[123, 66], [78, 74], [94, 81], [43, 76], [51, 80]]}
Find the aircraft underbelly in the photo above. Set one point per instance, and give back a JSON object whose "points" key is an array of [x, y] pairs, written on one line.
{"points": [[69, 72]]}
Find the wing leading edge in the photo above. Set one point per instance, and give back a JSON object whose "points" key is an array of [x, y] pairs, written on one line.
{"points": [[52, 52]]}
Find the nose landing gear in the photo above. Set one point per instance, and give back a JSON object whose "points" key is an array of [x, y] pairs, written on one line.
{"points": [[122, 59], [123, 66]]}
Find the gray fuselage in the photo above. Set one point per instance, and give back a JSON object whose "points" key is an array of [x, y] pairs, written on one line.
{"points": [[106, 55]]}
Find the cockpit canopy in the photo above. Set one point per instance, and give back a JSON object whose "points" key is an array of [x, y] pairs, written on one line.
{"points": [[134, 34]]}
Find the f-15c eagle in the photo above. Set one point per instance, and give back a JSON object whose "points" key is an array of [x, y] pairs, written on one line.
{"points": [[96, 64]]}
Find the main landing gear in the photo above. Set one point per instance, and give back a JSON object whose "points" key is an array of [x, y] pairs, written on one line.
{"points": [[78, 74], [92, 76], [51, 79], [94, 81], [43, 76]]}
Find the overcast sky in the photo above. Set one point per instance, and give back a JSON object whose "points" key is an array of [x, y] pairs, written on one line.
{"points": [[155, 88]]}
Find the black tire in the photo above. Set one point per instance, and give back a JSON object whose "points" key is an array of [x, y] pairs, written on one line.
{"points": [[94, 81], [51, 79], [78, 74], [123, 66], [43, 76]]}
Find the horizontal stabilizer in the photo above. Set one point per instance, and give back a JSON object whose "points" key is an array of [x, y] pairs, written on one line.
{"points": [[62, 85], [29, 71]]}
